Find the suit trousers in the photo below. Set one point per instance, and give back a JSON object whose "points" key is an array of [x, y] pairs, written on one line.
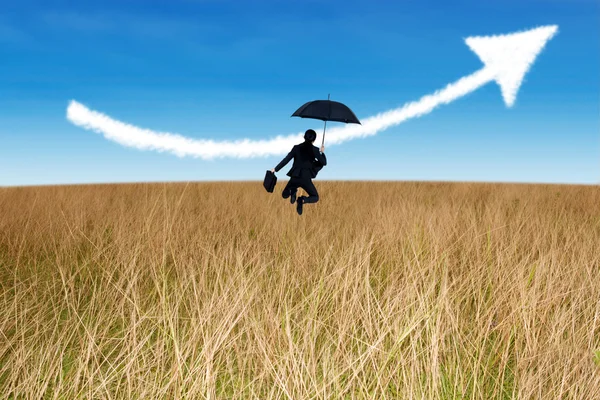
{"points": [[306, 184]]}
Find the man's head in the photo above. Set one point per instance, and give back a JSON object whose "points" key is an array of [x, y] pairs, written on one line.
{"points": [[310, 136]]}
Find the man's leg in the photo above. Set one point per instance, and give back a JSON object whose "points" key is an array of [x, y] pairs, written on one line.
{"points": [[291, 187], [313, 195]]}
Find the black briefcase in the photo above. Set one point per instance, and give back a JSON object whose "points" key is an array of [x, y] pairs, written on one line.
{"points": [[270, 181]]}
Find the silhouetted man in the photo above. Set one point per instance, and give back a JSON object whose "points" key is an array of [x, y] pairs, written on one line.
{"points": [[308, 161]]}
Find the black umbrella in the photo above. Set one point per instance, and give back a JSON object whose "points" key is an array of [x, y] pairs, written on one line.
{"points": [[326, 110]]}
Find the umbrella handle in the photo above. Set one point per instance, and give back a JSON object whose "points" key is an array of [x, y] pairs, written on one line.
{"points": [[325, 127]]}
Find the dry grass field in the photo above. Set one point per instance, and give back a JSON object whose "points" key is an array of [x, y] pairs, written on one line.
{"points": [[394, 290]]}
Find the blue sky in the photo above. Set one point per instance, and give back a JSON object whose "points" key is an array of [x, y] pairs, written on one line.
{"points": [[232, 69]]}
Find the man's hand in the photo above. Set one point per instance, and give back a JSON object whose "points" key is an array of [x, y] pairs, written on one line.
{"points": [[322, 148], [273, 170]]}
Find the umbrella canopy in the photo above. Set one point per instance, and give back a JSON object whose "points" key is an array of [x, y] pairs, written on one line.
{"points": [[327, 110]]}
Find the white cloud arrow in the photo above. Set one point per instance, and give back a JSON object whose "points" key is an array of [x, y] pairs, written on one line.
{"points": [[506, 58]]}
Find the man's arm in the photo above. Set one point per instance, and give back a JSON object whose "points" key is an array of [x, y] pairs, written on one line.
{"points": [[286, 159], [320, 156]]}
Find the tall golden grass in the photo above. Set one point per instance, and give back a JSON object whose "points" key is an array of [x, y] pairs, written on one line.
{"points": [[380, 290]]}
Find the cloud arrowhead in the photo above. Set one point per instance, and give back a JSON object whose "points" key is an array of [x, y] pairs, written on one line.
{"points": [[509, 57]]}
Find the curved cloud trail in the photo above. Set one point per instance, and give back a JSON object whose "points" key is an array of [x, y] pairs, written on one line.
{"points": [[507, 59], [146, 139]]}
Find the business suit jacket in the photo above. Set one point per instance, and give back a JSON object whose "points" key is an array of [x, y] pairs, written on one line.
{"points": [[308, 161]]}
